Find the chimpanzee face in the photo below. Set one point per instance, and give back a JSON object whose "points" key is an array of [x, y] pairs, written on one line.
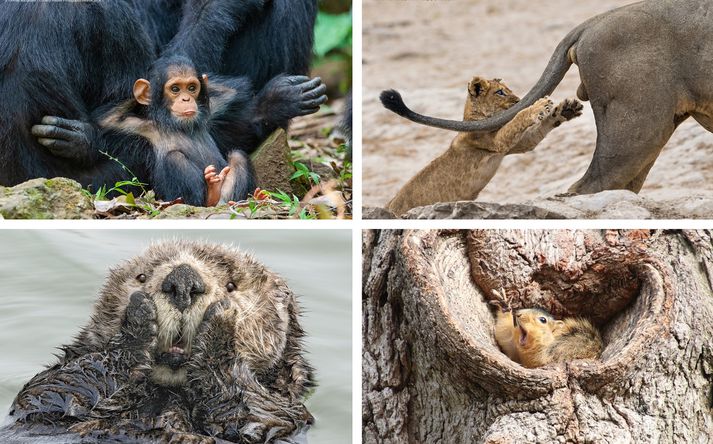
{"points": [[177, 99], [181, 92]]}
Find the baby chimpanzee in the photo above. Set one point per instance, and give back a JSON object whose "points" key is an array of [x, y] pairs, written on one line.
{"points": [[189, 124]]}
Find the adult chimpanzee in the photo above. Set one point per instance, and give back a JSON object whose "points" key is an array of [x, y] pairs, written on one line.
{"points": [[67, 59], [179, 118]]}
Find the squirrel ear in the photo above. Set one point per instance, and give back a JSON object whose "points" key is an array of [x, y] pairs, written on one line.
{"points": [[477, 86], [558, 325], [142, 91]]}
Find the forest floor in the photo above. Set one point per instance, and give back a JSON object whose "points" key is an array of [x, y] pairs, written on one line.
{"points": [[316, 183], [429, 50]]}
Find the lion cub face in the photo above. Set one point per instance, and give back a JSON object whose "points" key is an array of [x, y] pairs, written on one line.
{"points": [[184, 279], [487, 97]]}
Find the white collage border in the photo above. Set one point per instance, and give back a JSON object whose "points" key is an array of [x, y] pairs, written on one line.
{"points": [[356, 225]]}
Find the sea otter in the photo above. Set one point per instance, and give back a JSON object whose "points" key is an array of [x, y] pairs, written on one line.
{"points": [[188, 342]]}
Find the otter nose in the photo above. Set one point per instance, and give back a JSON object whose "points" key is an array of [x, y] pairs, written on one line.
{"points": [[182, 285]]}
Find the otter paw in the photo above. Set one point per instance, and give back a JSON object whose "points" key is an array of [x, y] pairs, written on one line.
{"points": [[215, 341], [569, 109], [215, 309], [139, 325]]}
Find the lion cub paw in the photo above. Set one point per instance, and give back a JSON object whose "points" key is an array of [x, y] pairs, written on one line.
{"points": [[542, 109], [568, 109]]}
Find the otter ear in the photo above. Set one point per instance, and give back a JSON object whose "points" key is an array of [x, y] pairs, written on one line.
{"points": [[142, 91], [478, 86]]}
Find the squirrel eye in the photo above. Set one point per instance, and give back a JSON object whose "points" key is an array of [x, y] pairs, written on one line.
{"points": [[141, 278], [230, 287], [543, 320]]}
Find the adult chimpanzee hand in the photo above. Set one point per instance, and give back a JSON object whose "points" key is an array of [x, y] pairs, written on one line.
{"points": [[294, 95], [66, 138]]}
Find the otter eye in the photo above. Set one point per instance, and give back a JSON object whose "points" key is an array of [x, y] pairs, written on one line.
{"points": [[543, 320], [141, 278], [500, 92], [230, 287]]}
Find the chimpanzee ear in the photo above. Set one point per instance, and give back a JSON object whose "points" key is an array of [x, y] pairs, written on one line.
{"points": [[142, 91]]}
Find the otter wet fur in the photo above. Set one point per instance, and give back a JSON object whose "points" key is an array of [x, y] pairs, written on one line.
{"points": [[473, 158], [645, 68], [532, 337], [188, 342]]}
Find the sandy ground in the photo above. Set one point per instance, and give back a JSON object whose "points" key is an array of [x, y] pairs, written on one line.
{"points": [[429, 50]]}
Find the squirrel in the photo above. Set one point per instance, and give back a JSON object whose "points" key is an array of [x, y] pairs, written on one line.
{"points": [[533, 337]]}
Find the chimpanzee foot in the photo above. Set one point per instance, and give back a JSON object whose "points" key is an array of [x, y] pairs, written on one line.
{"points": [[64, 137], [214, 183]]}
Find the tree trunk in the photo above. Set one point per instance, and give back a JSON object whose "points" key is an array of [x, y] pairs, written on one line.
{"points": [[432, 371]]}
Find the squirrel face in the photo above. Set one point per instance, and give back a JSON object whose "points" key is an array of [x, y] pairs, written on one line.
{"points": [[535, 327], [526, 334]]}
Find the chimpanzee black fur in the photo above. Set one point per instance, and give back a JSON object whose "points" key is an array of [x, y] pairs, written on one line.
{"points": [[233, 117], [183, 148], [66, 59]]}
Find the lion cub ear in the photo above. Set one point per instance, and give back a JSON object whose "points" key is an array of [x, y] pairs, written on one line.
{"points": [[478, 86]]}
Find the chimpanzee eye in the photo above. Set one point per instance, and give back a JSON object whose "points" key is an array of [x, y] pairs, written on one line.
{"points": [[230, 287], [141, 278], [500, 92], [175, 89], [192, 88], [543, 320]]}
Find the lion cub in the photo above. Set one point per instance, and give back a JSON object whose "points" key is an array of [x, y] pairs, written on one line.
{"points": [[473, 158]]}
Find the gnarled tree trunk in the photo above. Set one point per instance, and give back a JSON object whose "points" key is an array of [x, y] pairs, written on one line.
{"points": [[432, 371]]}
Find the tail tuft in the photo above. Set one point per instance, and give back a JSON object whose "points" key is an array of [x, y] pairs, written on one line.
{"points": [[391, 99]]}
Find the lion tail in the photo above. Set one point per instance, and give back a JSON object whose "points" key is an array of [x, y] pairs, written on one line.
{"points": [[554, 73]]}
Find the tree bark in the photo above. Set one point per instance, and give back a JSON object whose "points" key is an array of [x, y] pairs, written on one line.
{"points": [[432, 371]]}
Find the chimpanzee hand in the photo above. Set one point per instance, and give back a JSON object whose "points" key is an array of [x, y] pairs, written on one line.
{"points": [[292, 96], [66, 138]]}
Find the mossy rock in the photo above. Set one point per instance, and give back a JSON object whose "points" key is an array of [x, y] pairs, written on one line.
{"points": [[182, 211], [57, 198], [272, 163]]}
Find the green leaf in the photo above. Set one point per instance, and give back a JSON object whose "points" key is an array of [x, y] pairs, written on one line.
{"points": [[331, 32], [297, 174]]}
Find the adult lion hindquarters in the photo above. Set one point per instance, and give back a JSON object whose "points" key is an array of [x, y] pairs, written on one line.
{"points": [[645, 68], [187, 341]]}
